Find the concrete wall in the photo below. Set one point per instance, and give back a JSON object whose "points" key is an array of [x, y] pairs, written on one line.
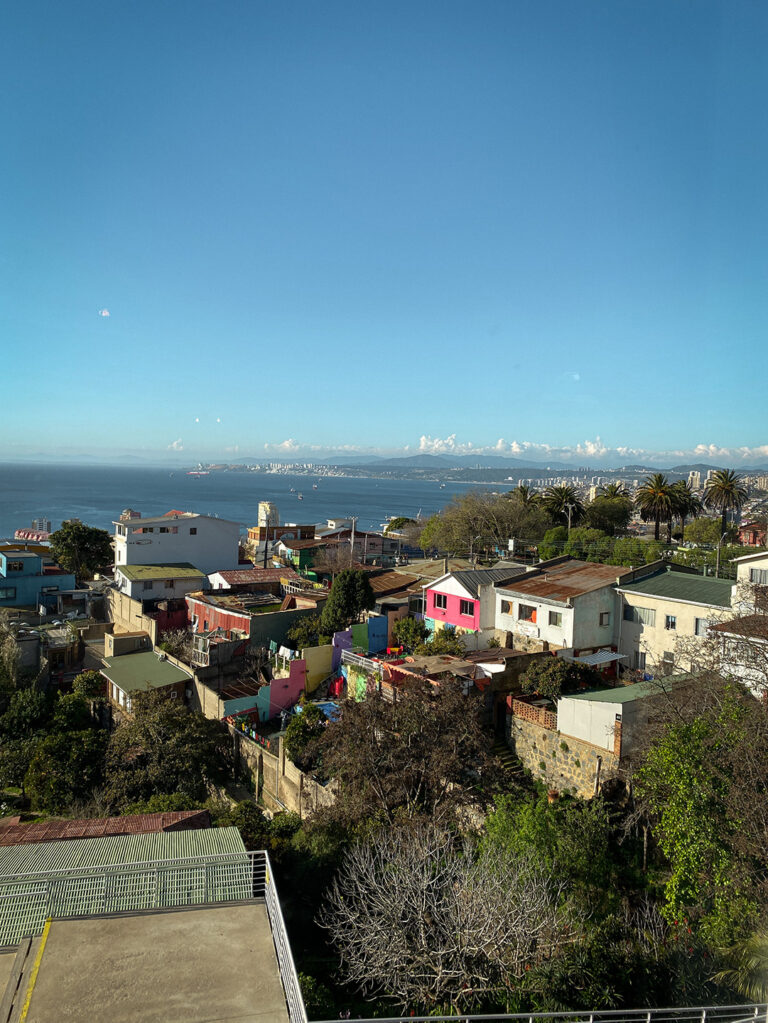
{"points": [[589, 720], [561, 762], [318, 660], [580, 625], [213, 547], [276, 780], [127, 614], [125, 643], [655, 640]]}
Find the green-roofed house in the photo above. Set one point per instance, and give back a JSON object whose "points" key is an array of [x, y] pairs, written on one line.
{"points": [[663, 608], [159, 582], [135, 673], [612, 719]]}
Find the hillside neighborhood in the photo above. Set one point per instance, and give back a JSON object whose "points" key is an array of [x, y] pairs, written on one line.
{"points": [[505, 674]]}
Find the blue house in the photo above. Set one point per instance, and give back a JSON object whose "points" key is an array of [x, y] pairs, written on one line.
{"points": [[25, 581]]}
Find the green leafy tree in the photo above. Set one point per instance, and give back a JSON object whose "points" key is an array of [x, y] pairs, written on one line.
{"points": [[686, 502], [443, 641], [475, 521], [703, 531], [589, 544], [89, 684], [301, 733], [28, 714], [409, 632], [612, 491], [655, 501], [525, 496], [396, 524], [553, 544], [306, 632], [164, 802], [554, 676], [81, 549], [71, 713], [630, 550], [66, 768], [15, 757], [350, 595], [727, 492], [165, 749], [609, 514]]}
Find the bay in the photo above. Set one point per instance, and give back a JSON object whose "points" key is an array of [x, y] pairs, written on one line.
{"points": [[97, 494]]}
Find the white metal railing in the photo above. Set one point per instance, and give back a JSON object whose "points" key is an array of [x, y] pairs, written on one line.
{"points": [[28, 900], [752, 1013], [358, 661]]}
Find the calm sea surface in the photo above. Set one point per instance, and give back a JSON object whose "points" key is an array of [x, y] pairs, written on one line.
{"points": [[97, 495]]}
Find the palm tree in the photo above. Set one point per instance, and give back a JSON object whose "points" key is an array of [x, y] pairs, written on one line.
{"points": [[612, 490], [747, 970], [525, 496], [687, 503], [558, 501], [655, 501], [725, 491]]}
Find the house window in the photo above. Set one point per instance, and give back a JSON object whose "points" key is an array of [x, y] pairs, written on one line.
{"points": [[193, 530], [605, 617], [14, 566], [148, 585], [467, 607], [556, 619], [174, 529], [163, 529], [670, 622], [640, 661], [7, 593], [526, 613], [759, 575], [641, 615], [441, 601], [169, 584], [700, 626], [506, 607]]}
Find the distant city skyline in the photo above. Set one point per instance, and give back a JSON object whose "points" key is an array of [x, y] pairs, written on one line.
{"points": [[258, 229]]}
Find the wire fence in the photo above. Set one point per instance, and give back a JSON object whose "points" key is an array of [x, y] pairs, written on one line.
{"points": [[28, 900]]}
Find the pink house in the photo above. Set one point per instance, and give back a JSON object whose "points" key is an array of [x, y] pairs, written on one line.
{"points": [[465, 601]]}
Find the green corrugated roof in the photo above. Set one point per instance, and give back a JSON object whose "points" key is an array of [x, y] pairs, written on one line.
{"points": [[121, 873], [680, 586], [637, 691], [177, 570], [132, 672], [32, 858]]}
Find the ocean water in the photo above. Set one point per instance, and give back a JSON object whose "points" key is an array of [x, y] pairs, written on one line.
{"points": [[97, 494]]}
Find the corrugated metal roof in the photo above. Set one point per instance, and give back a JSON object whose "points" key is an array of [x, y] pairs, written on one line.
{"points": [[748, 627], [472, 581], [564, 581], [695, 589], [95, 827], [246, 576], [144, 670], [116, 849], [637, 691]]}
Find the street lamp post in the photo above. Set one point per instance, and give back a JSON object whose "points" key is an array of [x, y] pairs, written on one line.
{"points": [[570, 508], [717, 562]]}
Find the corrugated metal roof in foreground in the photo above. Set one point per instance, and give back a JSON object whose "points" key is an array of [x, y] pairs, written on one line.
{"points": [[114, 849]]}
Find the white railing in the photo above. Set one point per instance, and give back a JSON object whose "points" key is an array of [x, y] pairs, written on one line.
{"points": [[28, 900], [752, 1013], [358, 661]]}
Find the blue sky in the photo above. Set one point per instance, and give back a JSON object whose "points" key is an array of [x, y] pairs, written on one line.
{"points": [[528, 227]]}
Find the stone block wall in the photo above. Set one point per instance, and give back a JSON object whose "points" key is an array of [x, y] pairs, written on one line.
{"points": [[563, 763]]}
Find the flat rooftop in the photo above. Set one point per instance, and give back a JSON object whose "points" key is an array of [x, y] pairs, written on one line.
{"points": [[176, 570], [131, 672], [694, 589], [177, 966]]}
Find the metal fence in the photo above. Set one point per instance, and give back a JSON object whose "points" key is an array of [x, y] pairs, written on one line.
{"points": [[28, 900], [358, 661], [753, 1013]]}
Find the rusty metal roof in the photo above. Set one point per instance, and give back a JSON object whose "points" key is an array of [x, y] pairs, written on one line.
{"points": [[748, 627], [247, 576], [392, 582], [565, 581], [133, 824]]}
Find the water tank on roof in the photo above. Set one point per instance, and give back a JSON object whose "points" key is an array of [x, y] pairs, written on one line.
{"points": [[129, 513]]}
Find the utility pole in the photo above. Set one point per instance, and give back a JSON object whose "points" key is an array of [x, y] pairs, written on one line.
{"points": [[570, 508]]}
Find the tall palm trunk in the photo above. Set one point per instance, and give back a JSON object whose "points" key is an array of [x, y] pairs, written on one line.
{"points": [[657, 527]]}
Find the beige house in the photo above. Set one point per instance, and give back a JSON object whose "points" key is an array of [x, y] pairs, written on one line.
{"points": [[659, 611]]}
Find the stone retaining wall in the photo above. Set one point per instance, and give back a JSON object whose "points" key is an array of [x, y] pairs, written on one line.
{"points": [[563, 763]]}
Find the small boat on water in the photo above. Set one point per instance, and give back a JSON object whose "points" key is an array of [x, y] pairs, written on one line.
{"points": [[300, 497]]}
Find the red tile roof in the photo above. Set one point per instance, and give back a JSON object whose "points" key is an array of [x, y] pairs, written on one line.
{"points": [[97, 827]]}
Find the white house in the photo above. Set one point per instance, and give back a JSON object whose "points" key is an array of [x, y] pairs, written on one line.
{"points": [[566, 603], [158, 582], [208, 543]]}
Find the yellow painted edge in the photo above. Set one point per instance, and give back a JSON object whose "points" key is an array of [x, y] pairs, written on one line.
{"points": [[35, 971]]}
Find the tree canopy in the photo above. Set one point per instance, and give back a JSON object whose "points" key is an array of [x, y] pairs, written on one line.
{"points": [[81, 549], [350, 595]]}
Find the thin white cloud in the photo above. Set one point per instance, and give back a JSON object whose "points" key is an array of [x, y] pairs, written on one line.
{"points": [[176, 445], [103, 312]]}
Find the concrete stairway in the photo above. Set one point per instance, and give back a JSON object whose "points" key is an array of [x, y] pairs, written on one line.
{"points": [[15, 970]]}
